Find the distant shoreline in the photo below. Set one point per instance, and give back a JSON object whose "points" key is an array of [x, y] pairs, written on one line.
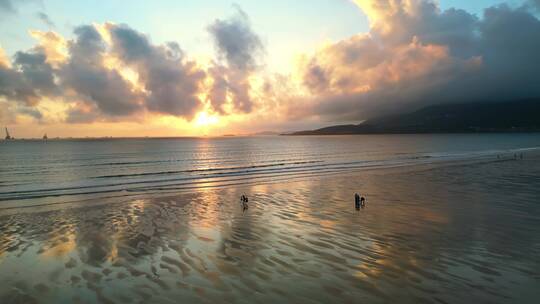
{"points": [[294, 134], [313, 133], [520, 116]]}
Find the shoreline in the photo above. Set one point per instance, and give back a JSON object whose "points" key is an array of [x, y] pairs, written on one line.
{"points": [[126, 197]]}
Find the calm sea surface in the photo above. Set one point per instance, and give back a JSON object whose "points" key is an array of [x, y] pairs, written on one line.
{"points": [[39, 172], [449, 219]]}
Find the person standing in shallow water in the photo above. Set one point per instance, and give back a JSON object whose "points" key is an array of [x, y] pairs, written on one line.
{"points": [[359, 202], [244, 201]]}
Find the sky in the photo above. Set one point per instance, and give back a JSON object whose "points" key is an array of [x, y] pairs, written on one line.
{"points": [[192, 68]]}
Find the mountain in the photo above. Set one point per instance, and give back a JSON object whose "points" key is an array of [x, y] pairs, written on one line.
{"points": [[512, 116]]}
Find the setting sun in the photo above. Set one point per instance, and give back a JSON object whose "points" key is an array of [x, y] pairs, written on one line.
{"points": [[205, 119]]}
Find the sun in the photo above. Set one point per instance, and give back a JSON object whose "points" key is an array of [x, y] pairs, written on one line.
{"points": [[204, 119]]}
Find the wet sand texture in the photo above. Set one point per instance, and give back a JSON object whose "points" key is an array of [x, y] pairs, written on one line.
{"points": [[447, 234]]}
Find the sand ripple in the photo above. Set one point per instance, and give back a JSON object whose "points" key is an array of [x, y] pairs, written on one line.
{"points": [[444, 235]]}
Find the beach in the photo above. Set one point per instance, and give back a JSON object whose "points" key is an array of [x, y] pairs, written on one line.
{"points": [[444, 232], [252, 152]]}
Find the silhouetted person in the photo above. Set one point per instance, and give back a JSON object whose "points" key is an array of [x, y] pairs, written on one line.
{"points": [[362, 202], [244, 201], [357, 201]]}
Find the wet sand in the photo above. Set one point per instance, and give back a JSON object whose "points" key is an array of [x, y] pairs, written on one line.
{"points": [[453, 233]]}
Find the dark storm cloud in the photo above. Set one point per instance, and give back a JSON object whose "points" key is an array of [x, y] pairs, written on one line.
{"points": [[422, 56], [172, 82], [97, 85], [239, 48], [510, 48], [45, 19]]}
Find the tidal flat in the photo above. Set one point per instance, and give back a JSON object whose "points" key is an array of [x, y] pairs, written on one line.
{"points": [[457, 232]]}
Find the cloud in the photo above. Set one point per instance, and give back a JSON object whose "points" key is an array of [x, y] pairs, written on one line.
{"points": [[415, 55], [238, 48], [37, 72], [28, 79], [236, 41], [217, 94], [92, 81], [171, 81], [53, 45], [81, 115], [32, 112], [6, 6], [6, 114], [534, 3], [14, 87], [107, 72], [45, 19], [4, 60]]}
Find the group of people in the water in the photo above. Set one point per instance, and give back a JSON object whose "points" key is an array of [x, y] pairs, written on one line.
{"points": [[359, 202]]}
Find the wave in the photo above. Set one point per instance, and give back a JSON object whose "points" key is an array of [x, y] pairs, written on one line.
{"points": [[206, 169], [171, 180]]}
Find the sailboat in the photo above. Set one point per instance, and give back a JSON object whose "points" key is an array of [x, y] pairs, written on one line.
{"points": [[8, 137]]}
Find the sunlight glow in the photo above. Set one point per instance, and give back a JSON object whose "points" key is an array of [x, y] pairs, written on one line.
{"points": [[205, 119]]}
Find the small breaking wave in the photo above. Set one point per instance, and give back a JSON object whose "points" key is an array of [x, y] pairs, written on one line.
{"points": [[264, 171]]}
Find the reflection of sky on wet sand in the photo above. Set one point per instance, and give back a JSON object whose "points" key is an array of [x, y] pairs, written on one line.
{"points": [[450, 234]]}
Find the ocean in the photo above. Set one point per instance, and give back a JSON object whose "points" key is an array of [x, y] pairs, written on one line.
{"points": [[448, 219], [49, 172]]}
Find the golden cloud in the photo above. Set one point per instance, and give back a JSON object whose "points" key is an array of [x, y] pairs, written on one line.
{"points": [[54, 46]]}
